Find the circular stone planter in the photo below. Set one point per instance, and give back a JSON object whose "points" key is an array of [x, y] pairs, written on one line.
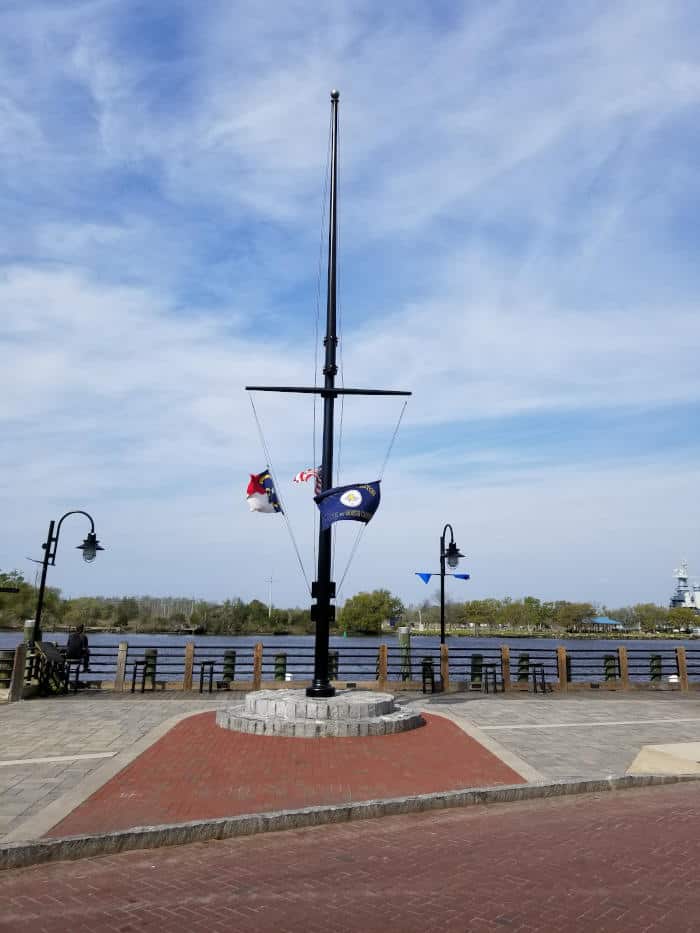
{"points": [[291, 713]]}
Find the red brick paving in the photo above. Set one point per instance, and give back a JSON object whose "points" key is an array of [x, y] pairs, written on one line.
{"points": [[200, 771], [623, 862]]}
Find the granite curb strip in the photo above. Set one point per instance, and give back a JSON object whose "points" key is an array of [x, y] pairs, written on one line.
{"points": [[24, 854]]}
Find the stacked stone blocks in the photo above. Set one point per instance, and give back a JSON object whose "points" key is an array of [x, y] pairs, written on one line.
{"points": [[348, 713]]}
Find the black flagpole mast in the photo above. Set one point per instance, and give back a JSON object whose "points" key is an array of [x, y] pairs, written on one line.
{"points": [[323, 588]]}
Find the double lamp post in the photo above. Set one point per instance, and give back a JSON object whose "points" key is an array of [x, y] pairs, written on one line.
{"points": [[89, 547]]}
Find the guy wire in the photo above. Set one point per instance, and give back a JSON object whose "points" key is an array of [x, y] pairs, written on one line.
{"points": [[381, 476], [278, 491]]}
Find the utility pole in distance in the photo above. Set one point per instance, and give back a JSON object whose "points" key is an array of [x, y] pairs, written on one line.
{"points": [[269, 581]]}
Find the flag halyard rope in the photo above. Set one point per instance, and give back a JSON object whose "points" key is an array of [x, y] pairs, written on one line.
{"points": [[381, 476], [278, 491]]}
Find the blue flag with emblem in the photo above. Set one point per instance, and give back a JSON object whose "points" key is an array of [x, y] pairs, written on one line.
{"points": [[356, 503]]}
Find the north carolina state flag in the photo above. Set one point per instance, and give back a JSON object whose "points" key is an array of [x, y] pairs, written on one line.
{"points": [[261, 493]]}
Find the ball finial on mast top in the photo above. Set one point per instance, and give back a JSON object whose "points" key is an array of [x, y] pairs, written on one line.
{"points": [[335, 94]]}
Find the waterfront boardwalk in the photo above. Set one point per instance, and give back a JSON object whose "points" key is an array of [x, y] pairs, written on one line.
{"points": [[81, 764]]}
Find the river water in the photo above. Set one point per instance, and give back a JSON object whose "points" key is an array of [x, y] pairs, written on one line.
{"points": [[11, 639]]}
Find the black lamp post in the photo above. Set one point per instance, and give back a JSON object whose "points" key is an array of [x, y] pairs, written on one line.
{"points": [[89, 547], [452, 556]]}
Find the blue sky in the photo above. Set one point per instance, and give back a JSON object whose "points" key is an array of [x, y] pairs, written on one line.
{"points": [[518, 235]]}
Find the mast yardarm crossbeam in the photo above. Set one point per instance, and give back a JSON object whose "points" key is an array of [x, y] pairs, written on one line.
{"points": [[317, 390]]}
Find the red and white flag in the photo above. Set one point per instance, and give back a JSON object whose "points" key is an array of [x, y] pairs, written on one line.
{"points": [[313, 473]]}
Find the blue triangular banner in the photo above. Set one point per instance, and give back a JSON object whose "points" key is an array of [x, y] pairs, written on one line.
{"points": [[461, 576], [425, 577]]}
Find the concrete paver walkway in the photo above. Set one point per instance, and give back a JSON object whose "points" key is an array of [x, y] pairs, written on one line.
{"points": [[580, 735], [67, 728], [615, 863]]}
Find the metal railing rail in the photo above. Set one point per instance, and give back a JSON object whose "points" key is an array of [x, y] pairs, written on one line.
{"points": [[178, 666]]}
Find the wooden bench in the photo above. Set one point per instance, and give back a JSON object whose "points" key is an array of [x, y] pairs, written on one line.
{"points": [[58, 674], [52, 670]]}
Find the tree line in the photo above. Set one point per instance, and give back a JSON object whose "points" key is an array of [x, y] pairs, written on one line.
{"points": [[363, 613], [368, 613], [145, 613]]}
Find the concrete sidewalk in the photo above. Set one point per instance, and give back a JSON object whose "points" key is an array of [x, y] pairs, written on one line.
{"points": [[578, 736], [57, 754], [49, 747]]}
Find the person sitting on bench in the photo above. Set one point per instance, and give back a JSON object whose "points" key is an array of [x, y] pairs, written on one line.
{"points": [[77, 648]]}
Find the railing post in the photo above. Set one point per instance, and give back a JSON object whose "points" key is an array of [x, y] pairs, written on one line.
{"points": [[383, 666], [561, 668], [609, 668], [624, 668], [523, 669], [7, 663], [189, 666], [150, 656], [18, 674], [333, 664], [505, 666], [257, 665], [229, 665], [445, 667], [120, 673], [280, 668], [681, 663]]}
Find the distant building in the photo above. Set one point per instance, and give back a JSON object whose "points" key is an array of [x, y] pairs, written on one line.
{"points": [[603, 624]]}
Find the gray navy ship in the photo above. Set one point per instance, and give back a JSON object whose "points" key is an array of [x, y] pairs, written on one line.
{"points": [[687, 594]]}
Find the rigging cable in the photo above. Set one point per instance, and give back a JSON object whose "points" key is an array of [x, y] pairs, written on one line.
{"points": [[278, 491], [362, 529], [391, 442]]}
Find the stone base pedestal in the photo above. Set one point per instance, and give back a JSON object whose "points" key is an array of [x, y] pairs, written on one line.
{"points": [[292, 713]]}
